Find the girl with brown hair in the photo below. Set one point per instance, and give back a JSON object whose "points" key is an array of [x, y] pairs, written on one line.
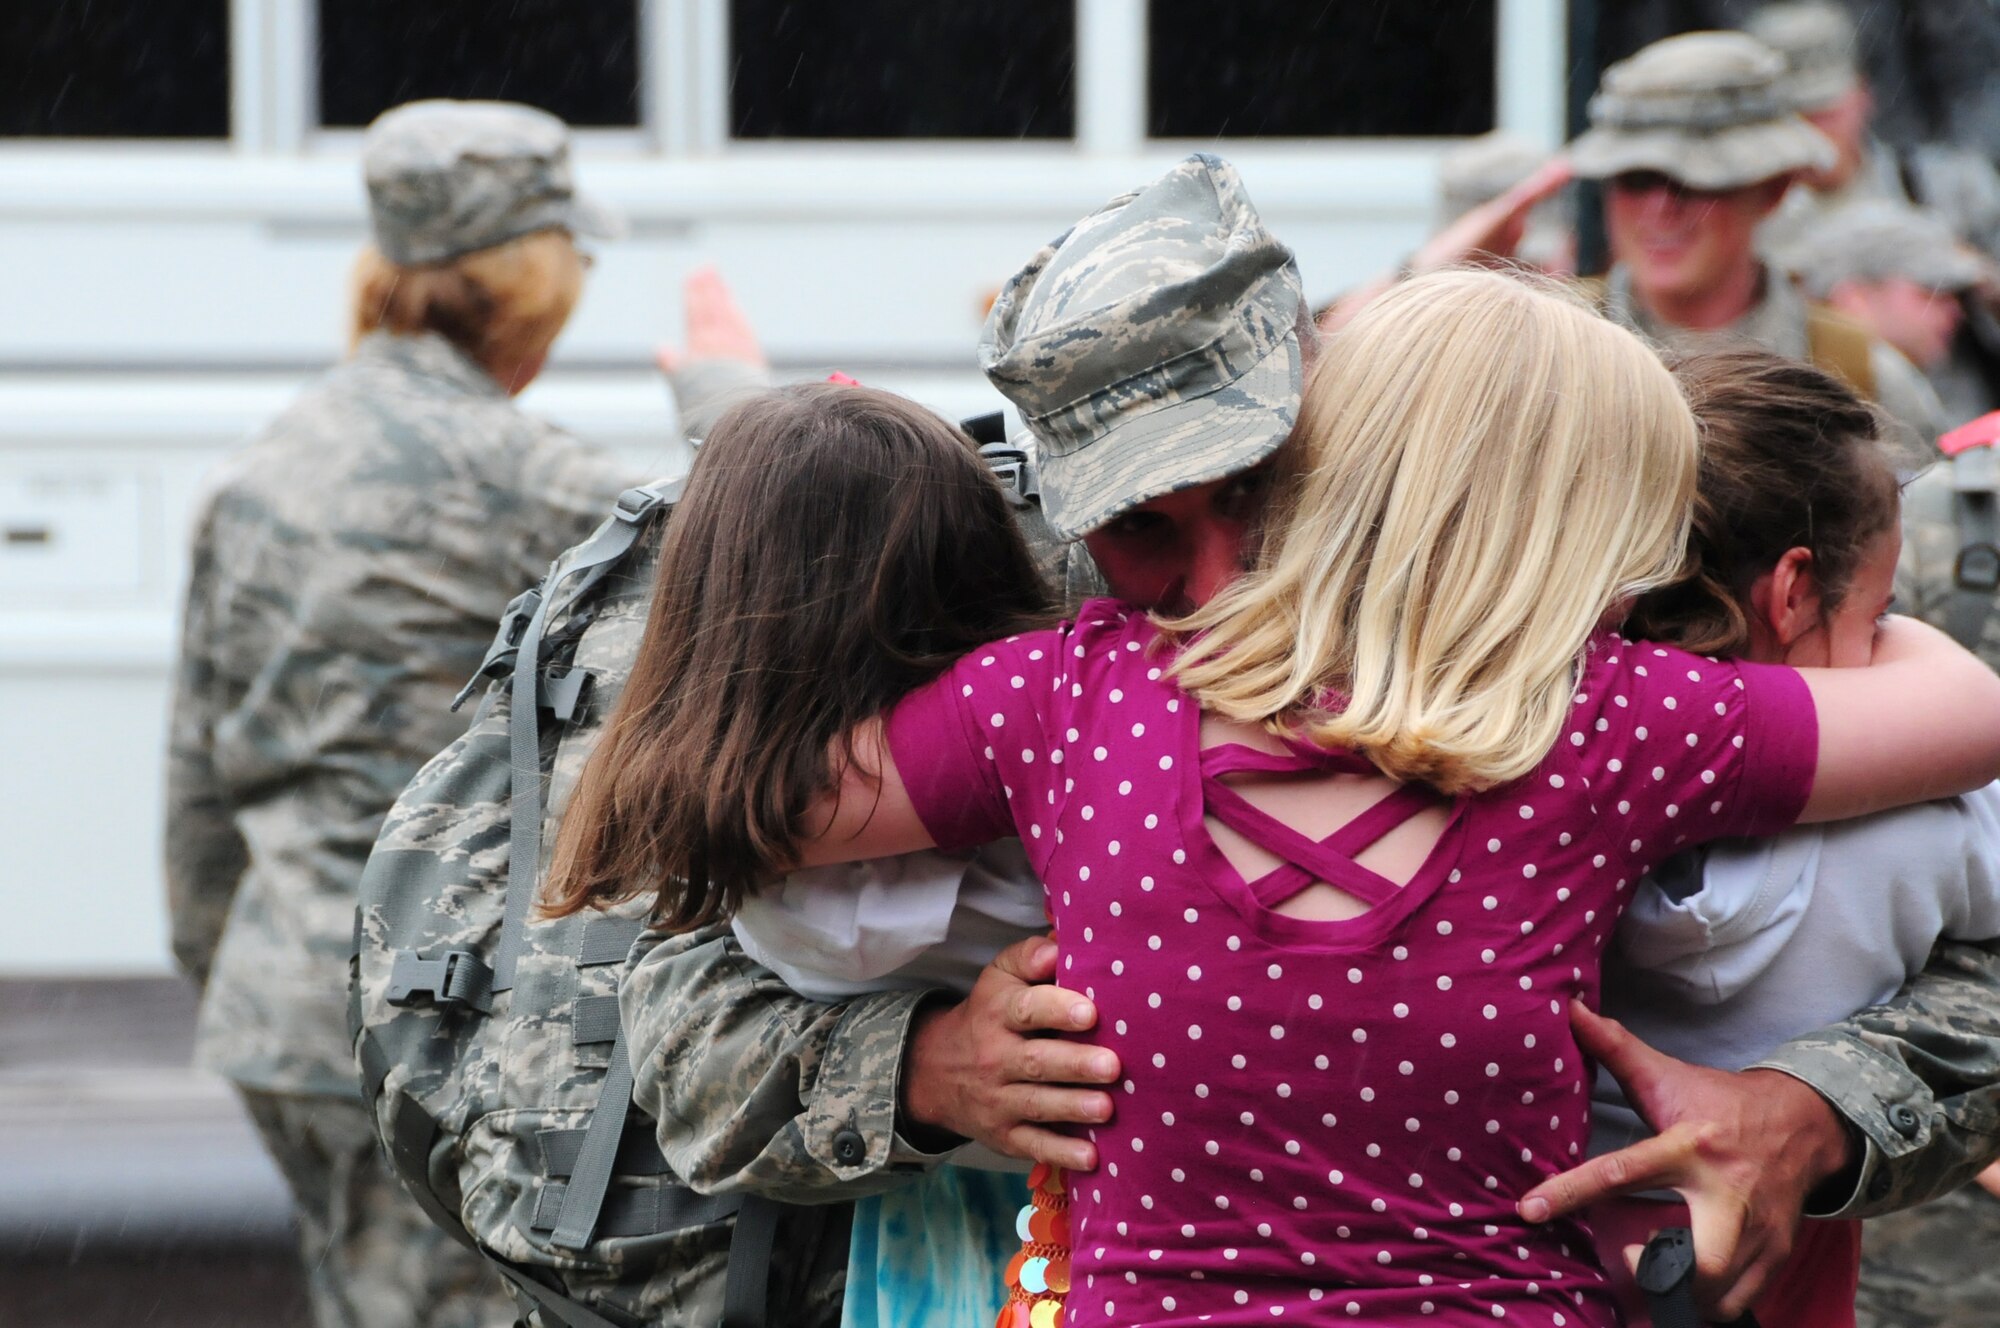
{"points": [[1731, 949]]}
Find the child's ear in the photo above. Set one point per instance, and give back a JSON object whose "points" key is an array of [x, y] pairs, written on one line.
{"points": [[1793, 600]]}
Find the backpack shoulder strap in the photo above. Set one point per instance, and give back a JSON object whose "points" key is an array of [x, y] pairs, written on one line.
{"points": [[1841, 346], [1975, 573], [566, 583]]}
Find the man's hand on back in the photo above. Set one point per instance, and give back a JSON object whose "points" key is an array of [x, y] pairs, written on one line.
{"points": [[986, 1068], [1743, 1149]]}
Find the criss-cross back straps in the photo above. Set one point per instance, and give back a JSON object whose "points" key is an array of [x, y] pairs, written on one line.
{"points": [[1307, 860]]}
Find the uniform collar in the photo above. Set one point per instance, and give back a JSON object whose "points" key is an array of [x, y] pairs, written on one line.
{"points": [[427, 355], [1777, 322]]}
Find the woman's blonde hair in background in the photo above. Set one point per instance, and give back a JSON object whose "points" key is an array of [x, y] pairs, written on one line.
{"points": [[503, 306], [1482, 468]]}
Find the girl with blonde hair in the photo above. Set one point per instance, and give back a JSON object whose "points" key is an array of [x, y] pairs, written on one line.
{"points": [[1333, 855]]}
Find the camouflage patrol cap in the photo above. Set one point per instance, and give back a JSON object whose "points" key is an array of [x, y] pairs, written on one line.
{"points": [[1704, 108], [1483, 168], [1879, 239], [1816, 42], [447, 178], [1152, 347]]}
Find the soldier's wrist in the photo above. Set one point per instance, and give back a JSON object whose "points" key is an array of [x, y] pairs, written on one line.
{"points": [[920, 1110]]}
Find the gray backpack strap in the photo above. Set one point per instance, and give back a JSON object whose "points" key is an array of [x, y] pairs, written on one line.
{"points": [[746, 1293], [590, 1178], [1975, 574], [564, 587]]}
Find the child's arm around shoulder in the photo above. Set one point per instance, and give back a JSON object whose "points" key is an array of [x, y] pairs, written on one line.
{"points": [[868, 814], [1922, 721]]}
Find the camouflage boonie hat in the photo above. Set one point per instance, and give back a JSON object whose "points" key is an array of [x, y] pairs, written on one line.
{"points": [[1481, 169], [1706, 109], [1152, 347], [447, 178], [1816, 42], [1880, 239]]}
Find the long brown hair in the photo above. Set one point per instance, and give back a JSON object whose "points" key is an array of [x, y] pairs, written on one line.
{"points": [[836, 548], [1790, 458]]}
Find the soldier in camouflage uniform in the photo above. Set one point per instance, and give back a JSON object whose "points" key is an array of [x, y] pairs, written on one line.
{"points": [[1900, 272], [769, 1093], [1823, 82], [1934, 1266], [1697, 145], [348, 566]]}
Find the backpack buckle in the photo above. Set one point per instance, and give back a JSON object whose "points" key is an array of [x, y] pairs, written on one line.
{"points": [[635, 504], [499, 660], [1012, 467], [1978, 568], [456, 977]]}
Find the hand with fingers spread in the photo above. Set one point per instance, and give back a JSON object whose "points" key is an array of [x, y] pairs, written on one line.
{"points": [[1744, 1149], [716, 326], [988, 1069]]}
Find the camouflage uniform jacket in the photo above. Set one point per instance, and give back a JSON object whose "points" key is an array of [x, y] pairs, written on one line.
{"points": [[1778, 323], [348, 567]]}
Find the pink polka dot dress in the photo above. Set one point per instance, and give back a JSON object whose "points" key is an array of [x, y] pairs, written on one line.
{"points": [[1332, 1120]]}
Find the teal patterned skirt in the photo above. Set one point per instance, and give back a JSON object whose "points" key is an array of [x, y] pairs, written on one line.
{"points": [[934, 1253]]}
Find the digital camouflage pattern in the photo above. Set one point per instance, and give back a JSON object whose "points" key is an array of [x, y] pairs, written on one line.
{"points": [[1151, 347], [447, 178], [372, 1259], [497, 1085], [1932, 1267], [347, 566]]}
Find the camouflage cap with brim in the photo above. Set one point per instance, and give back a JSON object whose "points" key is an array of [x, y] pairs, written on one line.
{"points": [[1816, 42], [1881, 239], [448, 178], [1152, 347], [1704, 108]]}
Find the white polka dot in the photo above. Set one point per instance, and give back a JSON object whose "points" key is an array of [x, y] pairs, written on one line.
{"points": [[1354, 975], [1444, 929], [1194, 1032], [1400, 1010], [1489, 903], [1529, 871], [1444, 982], [1166, 763]]}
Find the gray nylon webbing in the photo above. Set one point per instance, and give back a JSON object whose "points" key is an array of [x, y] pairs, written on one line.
{"points": [[593, 1019], [604, 550], [607, 940], [1969, 607], [638, 1152], [592, 1175]]}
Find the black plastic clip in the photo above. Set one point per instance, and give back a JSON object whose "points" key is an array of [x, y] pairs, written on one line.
{"points": [[454, 978], [499, 661], [1666, 1275], [1978, 568]]}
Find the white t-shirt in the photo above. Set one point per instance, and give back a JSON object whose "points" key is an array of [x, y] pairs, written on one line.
{"points": [[1729, 951], [926, 919]]}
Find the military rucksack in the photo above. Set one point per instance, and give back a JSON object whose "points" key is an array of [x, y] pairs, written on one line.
{"points": [[1975, 573], [488, 1039]]}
